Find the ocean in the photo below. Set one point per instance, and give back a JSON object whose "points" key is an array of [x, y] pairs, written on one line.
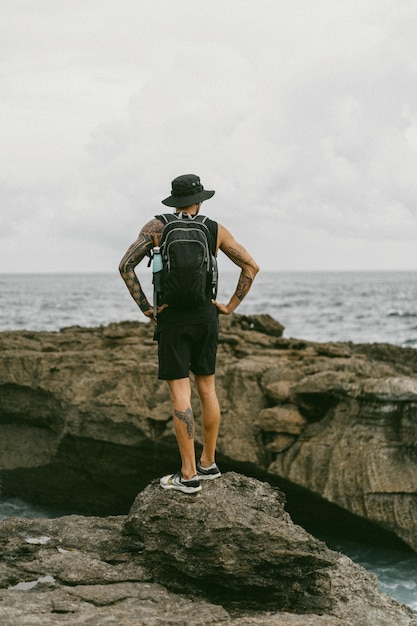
{"points": [[362, 307]]}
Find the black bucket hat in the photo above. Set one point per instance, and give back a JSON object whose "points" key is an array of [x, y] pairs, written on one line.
{"points": [[187, 189]]}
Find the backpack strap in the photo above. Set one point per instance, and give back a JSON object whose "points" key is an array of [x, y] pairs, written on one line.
{"points": [[165, 218], [213, 228]]}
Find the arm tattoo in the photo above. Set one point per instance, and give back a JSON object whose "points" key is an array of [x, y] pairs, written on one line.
{"points": [[239, 255], [235, 254], [134, 255], [243, 286], [187, 418]]}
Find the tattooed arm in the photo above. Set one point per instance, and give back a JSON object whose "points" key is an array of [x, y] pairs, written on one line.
{"points": [[148, 237], [249, 268]]}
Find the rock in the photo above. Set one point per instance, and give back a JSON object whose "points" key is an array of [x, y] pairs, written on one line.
{"points": [[261, 323], [280, 425], [235, 544], [279, 391], [278, 419], [76, 570], [229, 556], [85, 424], [279, 442]]}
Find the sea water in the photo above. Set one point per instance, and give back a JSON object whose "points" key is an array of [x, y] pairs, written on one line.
{"points": [[362, 307]]}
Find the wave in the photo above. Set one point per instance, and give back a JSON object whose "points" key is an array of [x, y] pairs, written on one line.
{"points": [[405, 314]]}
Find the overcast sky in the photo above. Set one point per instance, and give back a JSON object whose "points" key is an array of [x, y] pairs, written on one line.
{"points": [[301, 115]]}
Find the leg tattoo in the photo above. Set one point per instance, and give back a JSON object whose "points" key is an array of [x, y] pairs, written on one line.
{"points": [[188, 418]]}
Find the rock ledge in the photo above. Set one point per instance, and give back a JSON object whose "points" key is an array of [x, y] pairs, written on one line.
{"points": [[228, 556]]}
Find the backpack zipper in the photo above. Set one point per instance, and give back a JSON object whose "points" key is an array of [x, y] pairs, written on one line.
{"points": [[205, 247]]}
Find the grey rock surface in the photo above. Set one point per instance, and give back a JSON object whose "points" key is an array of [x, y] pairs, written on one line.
{"points": [[228, 556], [234, 543]]}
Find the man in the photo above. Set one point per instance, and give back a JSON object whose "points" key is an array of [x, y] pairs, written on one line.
{"points": [[188, 337]]}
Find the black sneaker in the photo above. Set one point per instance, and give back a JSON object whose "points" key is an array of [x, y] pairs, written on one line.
{"points": [[177, 482], [208, 473]]}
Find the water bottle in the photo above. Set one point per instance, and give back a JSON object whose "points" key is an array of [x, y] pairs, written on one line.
{"points": [[157, 260], [156, 278], [214, 277]]}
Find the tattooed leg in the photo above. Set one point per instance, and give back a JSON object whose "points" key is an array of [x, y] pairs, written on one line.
{"points": [[180, 391], [187, 418]]}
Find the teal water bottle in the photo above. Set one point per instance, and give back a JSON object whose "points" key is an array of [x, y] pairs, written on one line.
{"points": [[157, 260], [156, 278]]}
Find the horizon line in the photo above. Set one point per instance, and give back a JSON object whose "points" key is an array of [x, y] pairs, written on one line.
{"points": [[223, 271]]}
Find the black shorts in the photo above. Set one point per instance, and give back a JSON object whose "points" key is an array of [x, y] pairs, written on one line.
{"points": [[186, 347]]}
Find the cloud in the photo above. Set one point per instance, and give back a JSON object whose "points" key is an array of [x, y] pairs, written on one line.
{"points": [[327, 140], [301, 115]]}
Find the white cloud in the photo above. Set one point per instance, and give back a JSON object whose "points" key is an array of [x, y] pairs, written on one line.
{"points": [[301, 115]]}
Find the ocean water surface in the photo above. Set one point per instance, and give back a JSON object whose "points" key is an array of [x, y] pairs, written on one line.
{"points": [[362, 307]]}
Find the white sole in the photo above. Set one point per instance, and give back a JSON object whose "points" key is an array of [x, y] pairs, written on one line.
{"points": [[208, 476], [183, 489]]}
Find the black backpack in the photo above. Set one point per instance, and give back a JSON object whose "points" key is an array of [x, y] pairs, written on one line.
{"points": [[189, 270]]}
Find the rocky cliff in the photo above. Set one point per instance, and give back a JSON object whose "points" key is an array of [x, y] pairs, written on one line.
{"points": [[227, 556], [85, 424]]}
